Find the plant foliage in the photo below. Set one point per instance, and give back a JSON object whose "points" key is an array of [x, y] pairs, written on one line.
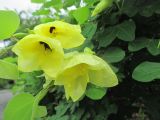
{"points": [[125, 33]]}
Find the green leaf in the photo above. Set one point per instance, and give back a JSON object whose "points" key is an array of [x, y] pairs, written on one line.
{"points": [[22, 104], [138, 44], [68, 3], [147, 11], [38, 1], [130, 7], [107, 37], [41, 111], [65, 117], [113, 55], [46, 19], [61, 110], [20, 35], [126, 31], [9, 23], [146, 71], [10, 59], [57, 4], [8, 70], [90, 2], [41, 12], [89, 30], [153, 47], [18, 106], [81, 14], [94, 92], [115, 69]]}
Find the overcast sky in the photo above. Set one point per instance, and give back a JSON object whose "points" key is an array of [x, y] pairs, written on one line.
{"points": [[18, 5]]}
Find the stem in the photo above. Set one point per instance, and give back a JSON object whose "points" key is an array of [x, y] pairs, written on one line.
{"points": [[118, 6], [39, 97], [5, 50], [122, 4]]}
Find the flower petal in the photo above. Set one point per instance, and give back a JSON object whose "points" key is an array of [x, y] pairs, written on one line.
{"points": [[27, 51], [69, 35], [104, 76], [36, 52], [74, 82], [76, 88], [79, 58]]}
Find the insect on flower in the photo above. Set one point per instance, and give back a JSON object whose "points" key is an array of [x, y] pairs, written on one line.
{"points": [[46, 46], [51, 29]]}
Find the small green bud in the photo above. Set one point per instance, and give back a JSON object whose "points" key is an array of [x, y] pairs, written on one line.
{"points": [[103, 4]]}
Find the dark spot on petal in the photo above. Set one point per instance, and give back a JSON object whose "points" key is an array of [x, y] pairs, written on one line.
{"points": [[46, 46], [51, 29]]}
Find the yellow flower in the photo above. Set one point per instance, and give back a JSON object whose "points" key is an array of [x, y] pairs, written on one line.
{"points": [[37, 52], [69, 35], [81, 68]]}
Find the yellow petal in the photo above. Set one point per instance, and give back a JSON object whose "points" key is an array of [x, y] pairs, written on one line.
{"points": [[74, 82], [79, 58], [36, 52], [80, 68], [104, 76], [69, 35]]}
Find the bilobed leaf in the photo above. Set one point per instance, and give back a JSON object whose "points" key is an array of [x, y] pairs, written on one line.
{"points": [[20, 108], [113, 55], [94, 92], [8, 70], [153, 47], [138, 44], [9, 22], [126, 31], [81, 14], [147, 71]]}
